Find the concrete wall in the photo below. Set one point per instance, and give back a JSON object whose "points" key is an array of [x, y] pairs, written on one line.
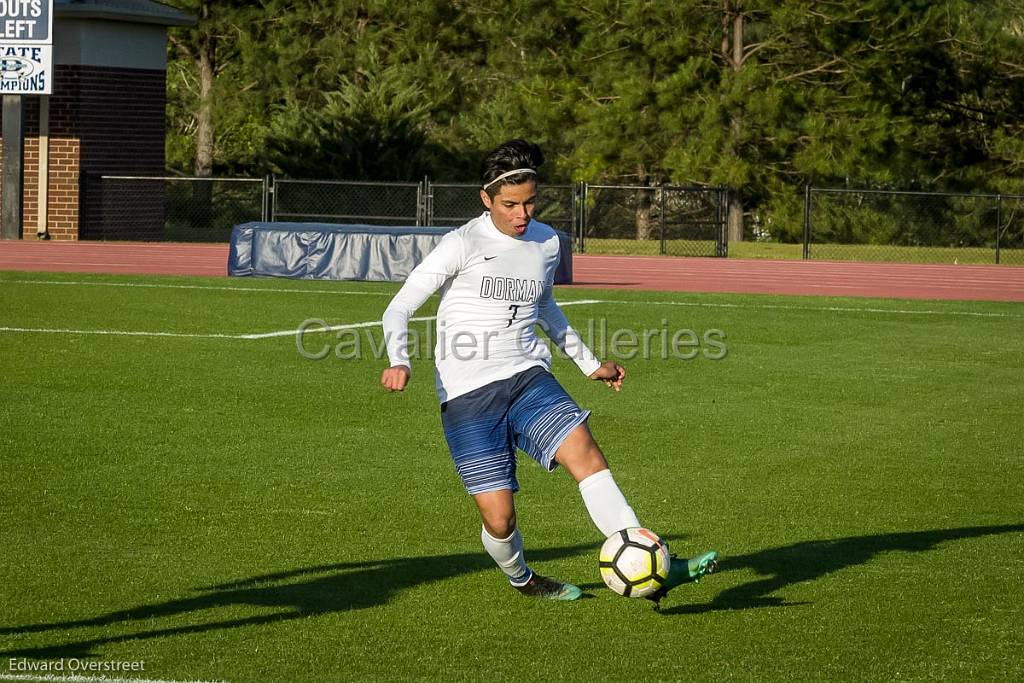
{"points": [[116, 44]]}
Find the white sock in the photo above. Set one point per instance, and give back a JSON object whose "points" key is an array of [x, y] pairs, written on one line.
{"points": [[606, 504], [507, 553]]}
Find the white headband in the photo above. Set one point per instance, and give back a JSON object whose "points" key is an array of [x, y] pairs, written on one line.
{"points": [[509, 173]]}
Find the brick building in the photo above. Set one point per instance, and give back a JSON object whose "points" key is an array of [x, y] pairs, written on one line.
{"points": [[105, 116]]}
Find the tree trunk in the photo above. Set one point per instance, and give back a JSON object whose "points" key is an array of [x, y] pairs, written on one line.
{"points": [[644, 224], [201, 206], [206, 56], [643, 207], [732, 50], [734, 218]]}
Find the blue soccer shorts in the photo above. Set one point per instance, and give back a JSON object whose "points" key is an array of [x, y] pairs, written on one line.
{"points": [[529, 410]]}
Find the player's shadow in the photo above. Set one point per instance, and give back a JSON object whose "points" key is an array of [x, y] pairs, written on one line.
{"points": [[296, 594], [810, 560], [319, 590]]}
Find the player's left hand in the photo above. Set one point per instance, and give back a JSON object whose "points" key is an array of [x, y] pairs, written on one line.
{"points": [[611, 373]]}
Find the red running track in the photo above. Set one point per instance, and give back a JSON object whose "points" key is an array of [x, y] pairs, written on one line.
{"points": [[825, 278], [115, 257]]}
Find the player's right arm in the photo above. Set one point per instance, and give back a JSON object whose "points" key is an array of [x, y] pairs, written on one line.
{"points": [[425, 279]]}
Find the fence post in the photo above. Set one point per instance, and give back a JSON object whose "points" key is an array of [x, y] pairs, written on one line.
{"points": [[12, 176], [265, 207], [574, 216], [999, 223], [807, 222], [661, 217], [723, 222], [419, 204], [272, 189], [428, 202], [584, 191]]}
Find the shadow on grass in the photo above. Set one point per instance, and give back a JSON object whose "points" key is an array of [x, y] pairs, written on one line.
{"points": [[297, 594], [319, 590], [810, 560]]}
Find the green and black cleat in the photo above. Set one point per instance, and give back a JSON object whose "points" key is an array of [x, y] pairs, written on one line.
{"points": [[685, 571], [542, 587]]}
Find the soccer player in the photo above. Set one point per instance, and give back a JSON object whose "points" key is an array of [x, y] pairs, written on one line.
{"points": [[493, 375]]}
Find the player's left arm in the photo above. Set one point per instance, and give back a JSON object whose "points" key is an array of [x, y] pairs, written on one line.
{"points": [[554, 323]]}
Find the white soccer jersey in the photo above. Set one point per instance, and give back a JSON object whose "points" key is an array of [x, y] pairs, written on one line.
{"points": [[495, 289]]}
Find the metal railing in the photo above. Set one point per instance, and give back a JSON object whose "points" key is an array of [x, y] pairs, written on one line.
{"points": [[923, 227], [340, 201], [664, 220], [598, 218], [456, 203], [839, 224]]}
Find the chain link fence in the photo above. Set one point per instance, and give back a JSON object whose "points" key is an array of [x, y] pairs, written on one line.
{"points": [[336, 201], [846, 224], [638, 219], [456, 203], [452, 203], [168, 209], [912, 227], [1010, 244], [600, 219]]}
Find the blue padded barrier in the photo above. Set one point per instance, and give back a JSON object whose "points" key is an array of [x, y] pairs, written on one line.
{"points": [[329, 251]]}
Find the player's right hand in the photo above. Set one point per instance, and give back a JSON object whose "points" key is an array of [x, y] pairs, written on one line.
{"points": [[395, 378]]}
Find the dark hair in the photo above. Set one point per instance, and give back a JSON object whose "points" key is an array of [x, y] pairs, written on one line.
{"points": [[508, 156]]}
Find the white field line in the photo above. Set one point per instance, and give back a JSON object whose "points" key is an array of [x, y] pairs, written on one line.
{"points": [[351, 326], [75, 678], [325, 328], [833, 309], [824, 309], [375, 323], [120, 333], [259, 335], [145, 285]]}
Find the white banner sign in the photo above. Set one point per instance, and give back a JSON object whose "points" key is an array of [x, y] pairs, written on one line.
{"points": [[26, 69], [26, 47]]}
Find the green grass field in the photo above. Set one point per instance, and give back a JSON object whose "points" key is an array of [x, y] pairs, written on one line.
{"points": [[221, 508]]}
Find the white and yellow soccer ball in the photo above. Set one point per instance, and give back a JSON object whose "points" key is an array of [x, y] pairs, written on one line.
{"points": [[634, 562]]}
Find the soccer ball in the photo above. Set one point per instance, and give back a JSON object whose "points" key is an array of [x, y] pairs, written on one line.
{"points": [[634, 562]]}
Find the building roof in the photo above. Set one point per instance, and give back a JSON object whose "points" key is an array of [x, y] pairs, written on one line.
{"points": [[136, 11]]}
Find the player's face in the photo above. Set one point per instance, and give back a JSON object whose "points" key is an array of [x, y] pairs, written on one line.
{"points": [[512, 208]]}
